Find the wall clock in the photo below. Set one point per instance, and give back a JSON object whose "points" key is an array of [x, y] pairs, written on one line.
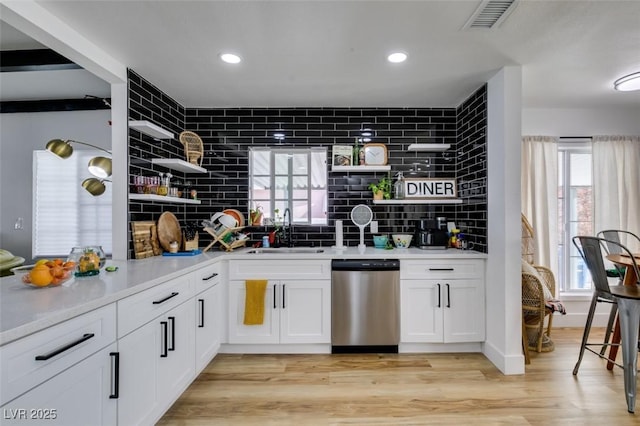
{"points": [[375, 154]]}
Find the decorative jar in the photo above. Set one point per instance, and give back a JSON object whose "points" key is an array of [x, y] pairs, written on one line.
{"points": [[89, 260]]}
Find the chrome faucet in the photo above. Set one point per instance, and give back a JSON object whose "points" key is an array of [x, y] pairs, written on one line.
{"points": [[289, 227]]}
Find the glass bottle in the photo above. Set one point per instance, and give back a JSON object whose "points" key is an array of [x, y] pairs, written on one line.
{"points": [[163, 189], [356, 153], [398, 187]]}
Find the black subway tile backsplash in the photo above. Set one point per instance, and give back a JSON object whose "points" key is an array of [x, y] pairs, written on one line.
{"points": [[227, 134]]}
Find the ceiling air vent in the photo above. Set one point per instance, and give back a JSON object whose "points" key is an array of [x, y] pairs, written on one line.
{"points": [[490, 13]]}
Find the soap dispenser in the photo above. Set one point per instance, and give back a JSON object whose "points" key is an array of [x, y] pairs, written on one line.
{"points": [[398, 187]]}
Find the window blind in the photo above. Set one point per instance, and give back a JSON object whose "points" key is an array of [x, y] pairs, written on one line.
{"points": [[65, 215]]}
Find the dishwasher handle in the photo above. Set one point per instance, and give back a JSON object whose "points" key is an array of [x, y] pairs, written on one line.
{"points": [[365, 265]]}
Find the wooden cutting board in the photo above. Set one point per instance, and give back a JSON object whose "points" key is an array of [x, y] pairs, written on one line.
{"points": [[145, 239], [169, 230]]}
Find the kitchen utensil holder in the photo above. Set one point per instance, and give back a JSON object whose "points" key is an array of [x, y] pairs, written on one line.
{"points": [[190, 244]]}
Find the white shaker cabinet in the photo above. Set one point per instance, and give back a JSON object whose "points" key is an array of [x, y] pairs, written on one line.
{"points": [[208, 315], [63, 375], [297, 302], [82, 395], [295, 312], [443, 301], [156, 358]]}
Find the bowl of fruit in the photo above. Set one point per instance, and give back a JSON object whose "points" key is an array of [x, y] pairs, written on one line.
{"points": [[45, 273]]}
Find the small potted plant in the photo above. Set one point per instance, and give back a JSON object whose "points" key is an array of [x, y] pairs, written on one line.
{"points": [[381, 189], [255, 215]]}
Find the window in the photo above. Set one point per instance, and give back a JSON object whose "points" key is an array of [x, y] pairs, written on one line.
{"points": [[293, 178], [575, 212], [65, 215]]}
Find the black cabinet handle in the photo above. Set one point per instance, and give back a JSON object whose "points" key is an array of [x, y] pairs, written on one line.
{"points": [[201, 303], [66, 347], [274, 297], [441, 269], [283, 306], [172, 320], [215, 274], [448, 295], [439, 296], [115, 381], [164, 337], [157, 302]]}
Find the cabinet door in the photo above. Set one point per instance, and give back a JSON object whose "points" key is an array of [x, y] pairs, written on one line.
{"points": [[79, 395], [464, 312], [421, 312], [156, 365], [268, 331], [208, 325], [177, 369], [305, 311], [140, 353]]}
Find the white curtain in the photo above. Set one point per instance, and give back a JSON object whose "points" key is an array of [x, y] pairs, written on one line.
{"points": [[540, 196], [616, 185]]}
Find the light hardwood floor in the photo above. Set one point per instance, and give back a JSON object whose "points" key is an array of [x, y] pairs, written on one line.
{"points": [[436, 389]]}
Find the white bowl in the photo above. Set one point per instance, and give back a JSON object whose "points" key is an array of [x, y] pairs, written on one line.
{"points": [[402, 240], [228, 221]]}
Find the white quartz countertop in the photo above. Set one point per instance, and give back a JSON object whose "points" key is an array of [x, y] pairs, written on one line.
{"points": [[25, 310]]}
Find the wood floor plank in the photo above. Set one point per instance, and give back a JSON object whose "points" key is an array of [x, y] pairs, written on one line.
{"points": [[411, 389]]}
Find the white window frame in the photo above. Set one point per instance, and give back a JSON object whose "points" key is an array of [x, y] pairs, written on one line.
{"points": [[568, 251], [271, 214]]}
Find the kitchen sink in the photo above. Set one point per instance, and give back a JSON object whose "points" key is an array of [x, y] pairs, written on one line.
{"points": [[286, 250]]}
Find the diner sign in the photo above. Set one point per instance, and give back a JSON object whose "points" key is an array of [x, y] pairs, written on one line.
{"points": [[421, 188]]}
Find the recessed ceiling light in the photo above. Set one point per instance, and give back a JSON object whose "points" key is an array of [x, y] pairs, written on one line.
{"points": [[628, 82], [230, 58], [397, 57]]}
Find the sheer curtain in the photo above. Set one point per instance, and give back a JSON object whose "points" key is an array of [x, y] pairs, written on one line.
{"points": [[540, 195], [616, 184]]}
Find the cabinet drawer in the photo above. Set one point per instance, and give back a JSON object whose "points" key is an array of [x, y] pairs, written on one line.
{"points": [[137, 310], [56, 349], [441, 268], [280, 269], [207, 277]]}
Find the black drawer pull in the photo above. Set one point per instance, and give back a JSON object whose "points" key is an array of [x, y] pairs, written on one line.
{"points": [[439, 296], [174, 294], [215, 274], [448, 295], [172, 320], [283, 305], [116, 375], [441, 269], [201, 303], [66, 347], [274, 297], [164, 337]]}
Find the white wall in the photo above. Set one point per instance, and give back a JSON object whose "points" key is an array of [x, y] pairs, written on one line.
{"points": [[580, 122], [503, 345], [20, 135]]}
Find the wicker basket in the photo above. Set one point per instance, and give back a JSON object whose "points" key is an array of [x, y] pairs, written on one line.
{"points": [[193, 147]]}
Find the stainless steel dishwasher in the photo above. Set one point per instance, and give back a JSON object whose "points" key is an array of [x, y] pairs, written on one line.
{"points": [[365, 305]]}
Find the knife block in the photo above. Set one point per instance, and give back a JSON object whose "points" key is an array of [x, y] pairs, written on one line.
{"points": [[191, 244]]}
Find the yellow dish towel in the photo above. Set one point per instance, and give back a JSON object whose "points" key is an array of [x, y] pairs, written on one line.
{"points": [[254, 301]]}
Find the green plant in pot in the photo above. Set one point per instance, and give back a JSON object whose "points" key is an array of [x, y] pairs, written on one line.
{"points": [[255, 215], [381, 189]]}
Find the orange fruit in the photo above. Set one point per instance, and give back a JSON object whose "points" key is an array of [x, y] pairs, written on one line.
{"points": [[70, 264], [57, 271], [58, 262], [40, 276]]}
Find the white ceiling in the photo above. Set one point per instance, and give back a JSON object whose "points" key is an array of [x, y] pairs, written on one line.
{"points": [[332, 53]]}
